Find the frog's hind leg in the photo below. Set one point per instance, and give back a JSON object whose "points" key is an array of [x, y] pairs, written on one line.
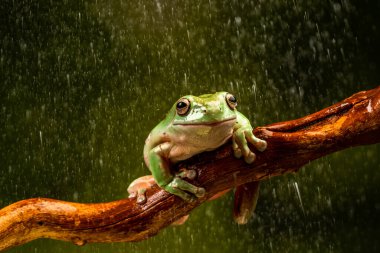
{"points": [[160, 168], [180, 221], [246, 196]]}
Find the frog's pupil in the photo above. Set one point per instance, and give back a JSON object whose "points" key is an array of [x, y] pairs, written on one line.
{"points": [[181, 105], [232, 99]]}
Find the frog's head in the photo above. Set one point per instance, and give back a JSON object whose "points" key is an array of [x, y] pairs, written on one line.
{"points": [[208, 109]]}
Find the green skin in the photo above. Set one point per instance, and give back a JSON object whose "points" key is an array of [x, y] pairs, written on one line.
{"points": [[209, 123]]}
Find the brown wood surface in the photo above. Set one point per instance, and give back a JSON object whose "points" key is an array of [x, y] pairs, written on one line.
{"points": [[354, 121]]}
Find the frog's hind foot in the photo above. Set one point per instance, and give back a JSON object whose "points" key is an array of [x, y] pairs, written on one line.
{"points": [[139, 195], [132, 195], [138, 188], [141, 198]]}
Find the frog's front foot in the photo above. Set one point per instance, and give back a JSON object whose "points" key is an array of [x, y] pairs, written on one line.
{"points": [[184, 189], [240, 144]]}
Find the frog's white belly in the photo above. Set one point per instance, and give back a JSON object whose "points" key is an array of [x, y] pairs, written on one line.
{"points": [[195, 139]]}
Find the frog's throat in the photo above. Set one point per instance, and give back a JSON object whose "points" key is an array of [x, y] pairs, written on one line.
{"points": [[211, 123]]}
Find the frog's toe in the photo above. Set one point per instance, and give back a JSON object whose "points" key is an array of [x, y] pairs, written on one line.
{"points": [[235, 148], [182, 186], [190, 198], [141, 199], [174, 188], [260, 144], [200, 192], [237, 153], [250, 158], [132, 195], [191, 174], [185, 173], [243, 147]]}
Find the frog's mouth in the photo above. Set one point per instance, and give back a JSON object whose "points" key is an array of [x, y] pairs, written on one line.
{"points": [[211, 123]]}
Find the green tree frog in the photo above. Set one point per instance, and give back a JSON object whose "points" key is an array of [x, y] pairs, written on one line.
{"points": [[193, 125]]}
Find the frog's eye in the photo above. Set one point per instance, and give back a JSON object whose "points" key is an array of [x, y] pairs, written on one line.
{"points": [[183, 106], [231, 101]]}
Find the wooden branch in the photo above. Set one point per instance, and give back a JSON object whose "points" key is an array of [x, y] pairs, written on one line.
{"points": [[354, 121]]}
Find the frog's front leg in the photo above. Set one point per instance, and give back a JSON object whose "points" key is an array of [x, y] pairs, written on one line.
{"points": [[160, 167], [241, 136]]}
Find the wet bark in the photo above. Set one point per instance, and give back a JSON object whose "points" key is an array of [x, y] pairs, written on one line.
{"points": [[291, 144]]}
